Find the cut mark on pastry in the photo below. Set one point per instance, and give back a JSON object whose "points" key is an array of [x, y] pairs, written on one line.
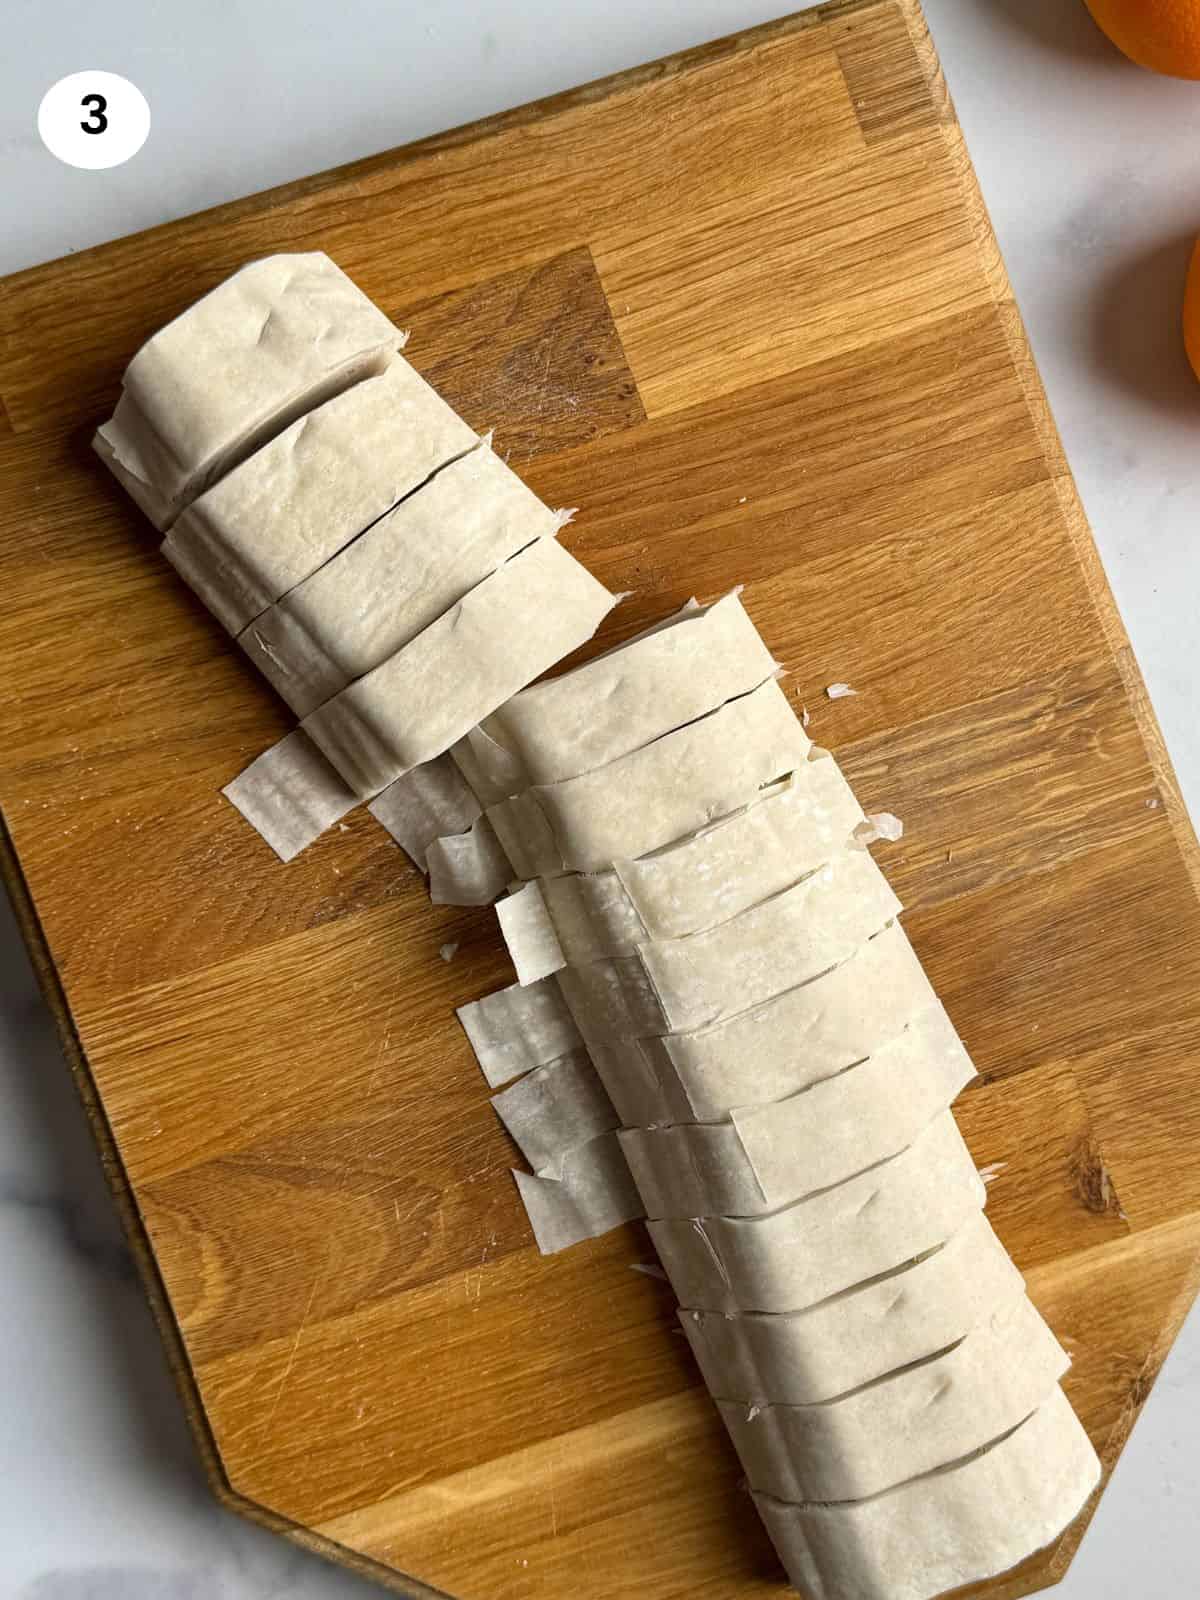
{"points": [[942, 1471], [339, 382], [698, 1225]]}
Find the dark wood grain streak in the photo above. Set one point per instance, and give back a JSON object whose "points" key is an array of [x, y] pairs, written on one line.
{"points": [[534, 354]]}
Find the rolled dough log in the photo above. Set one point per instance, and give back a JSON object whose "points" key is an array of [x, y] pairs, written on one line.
{"points": [[676, 785], [862, 1334], [432, 800], [263, 347], [399, 576], [770, 1156], [594, 1195], [792, 1258], [517, 1029], [634, 694], [529, 614], [961, 1524], [771, 1051], [906, 1424], [553, 1109], [293, 505], [290, 795], [468, 869]]}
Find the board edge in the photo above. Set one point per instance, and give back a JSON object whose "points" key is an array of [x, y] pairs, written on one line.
{"points": [[1059, 1556], [1079, 529], [12, 879], [511, 118]]}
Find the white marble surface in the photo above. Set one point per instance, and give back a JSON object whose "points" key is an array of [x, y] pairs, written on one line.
{"points": [[1088, 166]]}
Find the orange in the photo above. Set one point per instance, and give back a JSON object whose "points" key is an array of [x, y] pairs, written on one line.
{"points": [[1191, 312], [1163, 35]]}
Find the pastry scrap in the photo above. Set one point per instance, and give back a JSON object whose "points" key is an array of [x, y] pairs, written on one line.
{"points": [[719, 1023]]}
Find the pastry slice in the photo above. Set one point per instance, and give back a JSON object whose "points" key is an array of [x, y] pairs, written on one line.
{"points": [[592, 1194], [684, 984], [291, 507], [803, 1253], [904, 1424], [553, 1109], [593, 915], [290, 795], [773, 1050], [786, 940], [711, 876], [797, 1358], [409, 567], [674, 786], [518, 1028], [432, 800], [769, 1156], [525, 833], [492, 771], [468, 868], [961, 1524], [268, 344], [634, 694], [534, 610], [529, 934]]}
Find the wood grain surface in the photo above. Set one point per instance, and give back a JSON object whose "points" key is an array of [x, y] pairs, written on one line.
{"points": [[745, 309]]}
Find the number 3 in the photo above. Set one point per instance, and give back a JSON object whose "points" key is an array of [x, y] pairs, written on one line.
{"points": [[97, 121]]}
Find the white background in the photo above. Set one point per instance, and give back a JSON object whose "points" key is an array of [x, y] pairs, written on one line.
{"points": [[1089, 167]]}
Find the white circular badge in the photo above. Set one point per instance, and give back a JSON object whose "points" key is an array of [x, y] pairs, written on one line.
{"points": [[93, 119]]}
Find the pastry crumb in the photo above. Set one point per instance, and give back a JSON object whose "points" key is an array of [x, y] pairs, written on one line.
{"points": [[879, 825], [839, 691], [449, 951]]}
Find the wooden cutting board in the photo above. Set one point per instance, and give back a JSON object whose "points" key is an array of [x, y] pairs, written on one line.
{"points": [[745, 309]]}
